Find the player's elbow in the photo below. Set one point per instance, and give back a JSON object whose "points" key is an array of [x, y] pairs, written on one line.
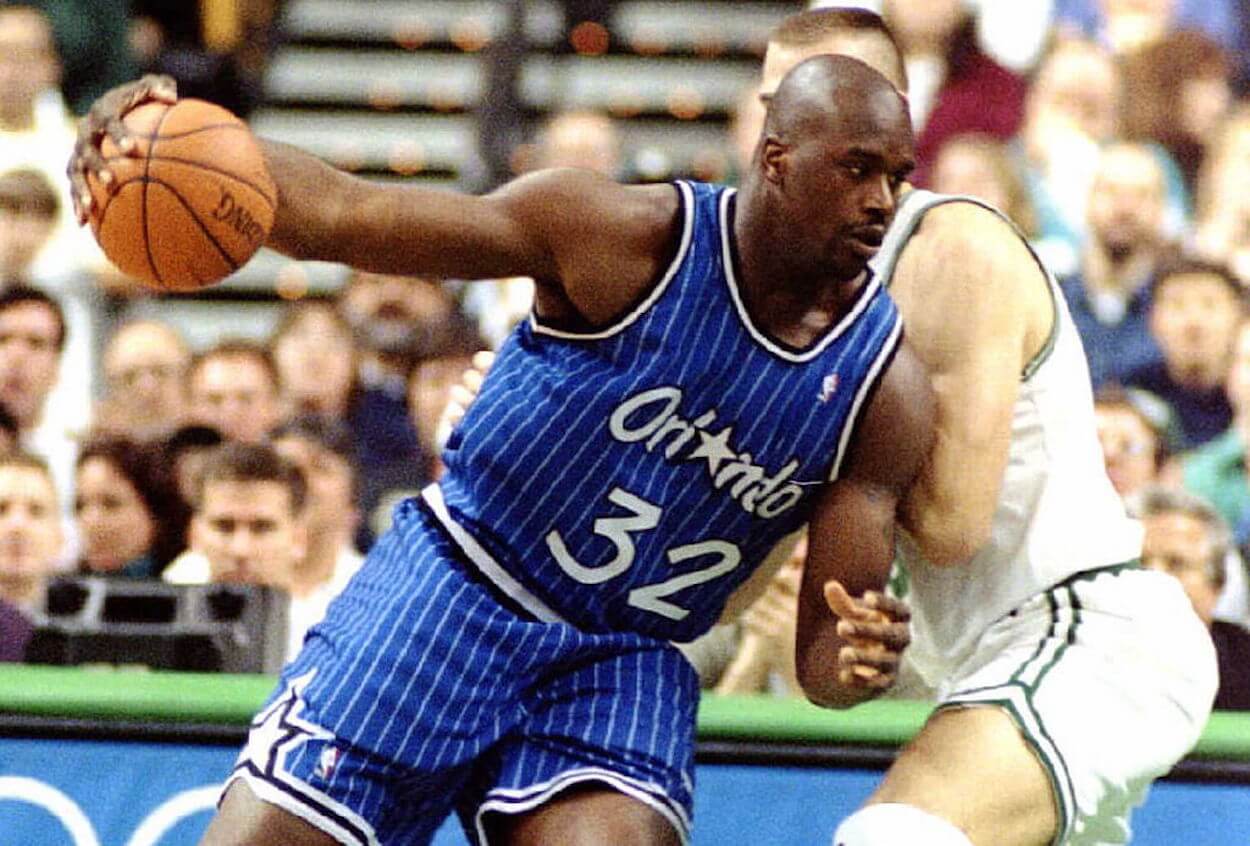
{"points": [[818, 681]]}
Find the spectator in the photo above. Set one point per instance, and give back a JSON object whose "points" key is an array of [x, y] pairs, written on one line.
{"points": [[185, 452], [130, 522], [1133, 433], [582, 139], [169, 37], [315, 355], [763, 661], [1126, 25], [9, 432], [29, 207], [1222, 230], [429, 390], [248, 521], [981, 166], [1188, 539], [145, 371], [91, 40], [1177, 90], [234, 389], [1216, 471], [954, 87], [397, 321], [30, 546], [32, 336], [36, 129], [1071, 109], [322, 449], [1194, 314], [1109, 296]]}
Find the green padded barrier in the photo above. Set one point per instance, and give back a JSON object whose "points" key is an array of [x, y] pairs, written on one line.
{"points": [[138, 695]]}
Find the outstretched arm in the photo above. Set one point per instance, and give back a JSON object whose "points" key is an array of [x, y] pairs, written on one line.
{"points": [[850, 635], [590, 244]]}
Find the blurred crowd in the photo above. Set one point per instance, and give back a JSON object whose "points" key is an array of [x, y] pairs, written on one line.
{"points": [[1115, 133]]}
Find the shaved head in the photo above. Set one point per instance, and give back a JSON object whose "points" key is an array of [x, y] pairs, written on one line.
{"points": [[833, 89]]}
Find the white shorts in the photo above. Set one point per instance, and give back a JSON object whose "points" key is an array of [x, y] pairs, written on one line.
{"points": [[1110, 677]]}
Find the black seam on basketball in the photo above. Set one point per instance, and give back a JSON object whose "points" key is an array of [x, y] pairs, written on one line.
{"points": [[143, 201], [178, 160], [225, 254]]}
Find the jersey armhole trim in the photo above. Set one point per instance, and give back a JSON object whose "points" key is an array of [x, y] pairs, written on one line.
{"points": [[484, 561], [685, 196], [884, 356], [926, 200]]}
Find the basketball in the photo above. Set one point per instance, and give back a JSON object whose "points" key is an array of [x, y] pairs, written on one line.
{"points": [[194, 203]]}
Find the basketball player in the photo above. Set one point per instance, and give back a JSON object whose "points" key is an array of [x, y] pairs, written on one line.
{"points": [[632, 456], [1067, 678]]}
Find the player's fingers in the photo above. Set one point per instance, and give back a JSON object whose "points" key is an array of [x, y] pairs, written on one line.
{"points": [[472, 380], [891, 606], [839, 601], [881, 661], [892, 636], [460, 398], [482, 360]]}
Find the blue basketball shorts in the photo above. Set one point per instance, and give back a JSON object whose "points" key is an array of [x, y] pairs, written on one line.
{"points": [[426, 691]]}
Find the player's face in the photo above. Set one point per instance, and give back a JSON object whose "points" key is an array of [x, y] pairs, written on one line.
{"points": [[1180, 544], [840, 183], [249, 531], [113, 523], [30, 524]]}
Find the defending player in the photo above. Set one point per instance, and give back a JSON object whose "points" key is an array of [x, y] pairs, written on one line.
{"points": [[1067, 677], [632, 456]]}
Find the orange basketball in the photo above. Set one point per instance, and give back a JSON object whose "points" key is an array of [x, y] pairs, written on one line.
{"points": [[193, 205]]}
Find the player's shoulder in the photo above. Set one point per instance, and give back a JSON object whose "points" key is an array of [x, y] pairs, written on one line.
{"points": [[958, 236], [963, 224]]}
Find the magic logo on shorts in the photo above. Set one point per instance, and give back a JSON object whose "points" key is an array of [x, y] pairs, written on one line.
{"points": [[651, 418]]}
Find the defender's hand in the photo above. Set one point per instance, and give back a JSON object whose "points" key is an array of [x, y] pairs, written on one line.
{"points": [[462, 394], [104, 120], [876, 629]]}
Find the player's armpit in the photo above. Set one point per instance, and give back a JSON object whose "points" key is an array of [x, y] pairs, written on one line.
{"points": [[977, 308]]}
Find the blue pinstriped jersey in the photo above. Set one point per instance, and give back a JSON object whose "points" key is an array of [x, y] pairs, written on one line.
{"points": [[631, 478]]}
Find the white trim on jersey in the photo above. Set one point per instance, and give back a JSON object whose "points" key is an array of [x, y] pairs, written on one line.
{"points": [[731, 280], [686, 195], [484, 561], [874, 374], [519, 800]]}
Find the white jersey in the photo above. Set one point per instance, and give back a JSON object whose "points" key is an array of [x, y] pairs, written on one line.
{"points": [[1057, 512]]}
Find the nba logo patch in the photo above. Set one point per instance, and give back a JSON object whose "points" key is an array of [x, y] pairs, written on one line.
{"points": [[326, 764], [828, 387]]}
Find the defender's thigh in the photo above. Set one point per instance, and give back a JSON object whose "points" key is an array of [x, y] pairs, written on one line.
{"points": [[972, 767]]}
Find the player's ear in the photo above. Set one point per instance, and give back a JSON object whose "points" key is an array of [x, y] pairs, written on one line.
{"points": [[774, 159]]}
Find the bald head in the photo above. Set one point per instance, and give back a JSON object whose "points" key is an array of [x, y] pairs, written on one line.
{"points": [[836, 92]]}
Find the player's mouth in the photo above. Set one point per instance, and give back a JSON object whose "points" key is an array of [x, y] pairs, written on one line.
{"points": [[866, 240]]}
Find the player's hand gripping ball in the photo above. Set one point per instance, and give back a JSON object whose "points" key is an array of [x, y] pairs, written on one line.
{"points": [[192, 204]]}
